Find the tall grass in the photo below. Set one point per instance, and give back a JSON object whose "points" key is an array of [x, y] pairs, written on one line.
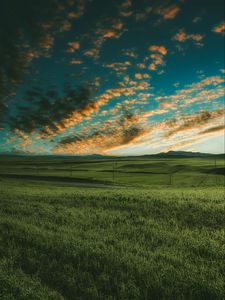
{"points": [[77, 243]]}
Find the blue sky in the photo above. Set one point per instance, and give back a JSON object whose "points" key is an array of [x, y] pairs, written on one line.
{"points": [[118, 77]]}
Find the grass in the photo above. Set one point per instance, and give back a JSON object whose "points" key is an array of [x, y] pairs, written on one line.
{"points": [[138, 171], [65, 242]]}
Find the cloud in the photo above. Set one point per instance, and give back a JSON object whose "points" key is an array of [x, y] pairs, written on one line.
{"points": [[206, 90], [185, 123], [26, 35], [118, 25], [213, 129], [126, 4], [160, 49], [118, 66], [168, 13], [125, 9], [76, 62], [105, 29], [52, 113], [154, 112], [77, 9], [111, 135], [182, 37], [73, 46], [181, 130], [92, 53], [138, 76], [220, 28], [131, 53], [157, 56]]}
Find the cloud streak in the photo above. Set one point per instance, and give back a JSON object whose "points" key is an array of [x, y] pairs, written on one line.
{"points": [[111, 135]]}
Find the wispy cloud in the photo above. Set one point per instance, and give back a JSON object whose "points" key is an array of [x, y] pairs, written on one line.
{"points": [[208, 89]]}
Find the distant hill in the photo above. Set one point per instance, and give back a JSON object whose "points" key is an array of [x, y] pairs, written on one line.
{"points": [[169, 154], [184, 154]]}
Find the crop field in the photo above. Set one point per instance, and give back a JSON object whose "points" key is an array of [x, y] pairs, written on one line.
{"points": [[149, 235]]}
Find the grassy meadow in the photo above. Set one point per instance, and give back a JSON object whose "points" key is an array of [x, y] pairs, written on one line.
{"points": [[155, 231], [128, 171]]}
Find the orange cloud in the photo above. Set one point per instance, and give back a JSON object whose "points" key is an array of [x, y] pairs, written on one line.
{"points": [[154, 112], [196, 121], [219, 28], [125, 9], [160, 49], [75, 118], [157, 56], [182, 36], [138, 76], [73, 46], [107, 29], [109, 34], [25, 140], [91, 52], [118, 25], [130, 53], [169, 13], [111, 135], [79, 9], [146, 76], [120, 66], [206, 90], [66, 26], [125, 13], [76, 62], [46, 42], [179, 131]]}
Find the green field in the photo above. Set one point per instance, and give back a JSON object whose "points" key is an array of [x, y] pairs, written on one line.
{"points": [[128, 171], [148, 235]]}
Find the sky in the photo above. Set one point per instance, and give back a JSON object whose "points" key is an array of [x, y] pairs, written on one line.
{"points": [[115, 77]]}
